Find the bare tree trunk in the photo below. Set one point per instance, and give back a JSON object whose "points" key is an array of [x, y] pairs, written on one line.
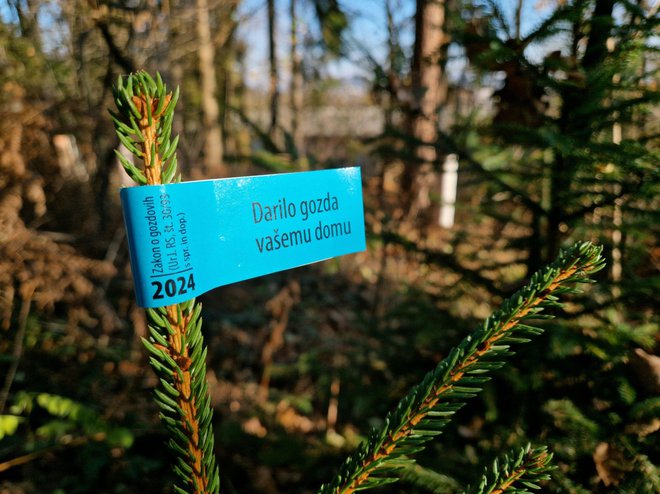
{"points": [[519, 9], [176, 71], [563, 168], [213, 163], [296, 89], [274, 75], [428, 94], [392, 42], [617, 217], [27, 20]]}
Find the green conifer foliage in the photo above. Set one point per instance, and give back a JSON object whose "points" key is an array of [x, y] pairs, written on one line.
{"points": [[515, 473], [177, 353], [143, 122], [572, 152], [428, 407]]}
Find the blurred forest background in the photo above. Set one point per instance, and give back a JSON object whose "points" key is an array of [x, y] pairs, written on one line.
{"points": [[549, 108]]}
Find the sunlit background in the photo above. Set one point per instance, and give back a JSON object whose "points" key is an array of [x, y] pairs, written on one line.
{"points": [[490, 134]]}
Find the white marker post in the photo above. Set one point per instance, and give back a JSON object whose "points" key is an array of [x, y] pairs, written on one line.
{"points": [[448, 191]]}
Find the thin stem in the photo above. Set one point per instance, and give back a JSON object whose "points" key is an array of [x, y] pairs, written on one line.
{"points": [[518, 473], [27, 458], [527, 467], [17, 350], [177, 349], [143, 124], [186, 400], [149, 129], [439, 390]]}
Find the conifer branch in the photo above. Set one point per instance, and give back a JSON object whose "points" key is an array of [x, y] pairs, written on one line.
{"points": [[430, 405], [143, 122], [515, 473], [428, 480]]}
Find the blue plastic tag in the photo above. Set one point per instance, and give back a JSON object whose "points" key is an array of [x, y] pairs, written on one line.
{"points": [[187, 238]]}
